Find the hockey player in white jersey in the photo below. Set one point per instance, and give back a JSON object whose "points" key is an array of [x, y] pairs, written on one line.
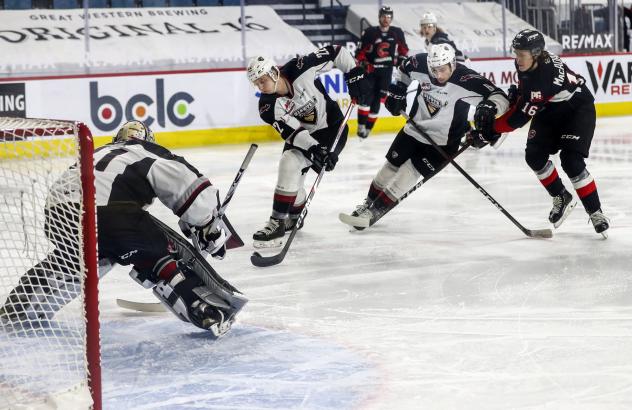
{"points": [[130, 173], [445, 91], [294, 101]]}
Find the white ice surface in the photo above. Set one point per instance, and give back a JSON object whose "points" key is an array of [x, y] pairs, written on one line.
{"points": [[444, 304]]}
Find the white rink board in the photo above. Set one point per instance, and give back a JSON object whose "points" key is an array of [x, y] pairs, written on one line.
{"points": [[225, 98]]}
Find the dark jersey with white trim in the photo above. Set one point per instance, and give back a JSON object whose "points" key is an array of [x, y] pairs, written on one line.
{"points": [[382, 48], [542, 90], [442, 110], [308, 107], [139, 171]]}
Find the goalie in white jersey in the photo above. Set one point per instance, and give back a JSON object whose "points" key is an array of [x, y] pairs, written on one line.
{"points": [[294, 101], [130, 173], [445, 91]]}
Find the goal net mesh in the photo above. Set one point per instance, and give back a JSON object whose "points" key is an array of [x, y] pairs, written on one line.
{"points": [[42, 270]]}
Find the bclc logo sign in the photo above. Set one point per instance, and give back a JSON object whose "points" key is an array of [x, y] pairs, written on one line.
{"points": [[614, 73], [106, 111]]}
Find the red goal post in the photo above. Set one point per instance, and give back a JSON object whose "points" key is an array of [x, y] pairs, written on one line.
{"points": [[49, 317]]}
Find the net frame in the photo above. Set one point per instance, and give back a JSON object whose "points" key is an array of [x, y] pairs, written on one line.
{"points": [[28, 138]]}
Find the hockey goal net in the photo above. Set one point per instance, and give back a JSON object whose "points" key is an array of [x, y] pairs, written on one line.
{"points": [[49, 334]]}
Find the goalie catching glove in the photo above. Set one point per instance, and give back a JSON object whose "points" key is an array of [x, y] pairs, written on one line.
{"points": [[396, 98], [356, 83]]}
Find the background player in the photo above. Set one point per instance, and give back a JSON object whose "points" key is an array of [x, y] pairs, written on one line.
{"points": [[434, 34], [444, 94], [129, 174], [381, 48], [294, 101], [562, 114]]}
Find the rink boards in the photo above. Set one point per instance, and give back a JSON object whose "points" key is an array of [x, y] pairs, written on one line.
{"points": [[202, 107]]}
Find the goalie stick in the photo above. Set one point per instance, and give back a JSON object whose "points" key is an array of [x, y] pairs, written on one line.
{"points": [[147, 307], [262, 261], [532, 233], [234, 241]]}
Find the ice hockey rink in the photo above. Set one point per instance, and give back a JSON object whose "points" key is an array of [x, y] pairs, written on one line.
{"points": [[444, 304]]}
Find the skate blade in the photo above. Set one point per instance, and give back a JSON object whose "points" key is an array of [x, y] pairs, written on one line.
{"points": [[356, 222], [273, 243], [566, 214]]}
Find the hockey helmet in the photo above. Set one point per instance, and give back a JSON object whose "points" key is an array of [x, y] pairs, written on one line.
{"points": [[260, 66], [385, 11], [529, 39], [439, 55], [134, 130], [428, 18]]}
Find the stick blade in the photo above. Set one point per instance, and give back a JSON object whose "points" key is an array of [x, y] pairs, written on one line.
{"points": [[151, 307], [539, 233], [261, 261]]}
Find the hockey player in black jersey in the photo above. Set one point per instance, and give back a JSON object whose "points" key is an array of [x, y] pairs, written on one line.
{"points": [[445, 92], [562, 114], [130, 173], [294, 101], [381, 48], [434, 34]]}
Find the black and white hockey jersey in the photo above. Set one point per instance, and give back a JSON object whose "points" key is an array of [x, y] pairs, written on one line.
{"points": [[541, 90], [307, 108], [442, 110], [139, 172]]}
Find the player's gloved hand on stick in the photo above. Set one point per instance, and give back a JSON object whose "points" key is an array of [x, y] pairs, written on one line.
{"points": [[396, 98], [356, 83], [321, 157], [484, 117], [212, 238], [478, 140], [513, 94]]}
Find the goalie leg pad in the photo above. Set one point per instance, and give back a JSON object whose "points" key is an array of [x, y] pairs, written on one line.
{"points": [[191, 301]]}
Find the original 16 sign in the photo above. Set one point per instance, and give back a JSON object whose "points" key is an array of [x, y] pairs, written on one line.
{"points": [[108, 110]]}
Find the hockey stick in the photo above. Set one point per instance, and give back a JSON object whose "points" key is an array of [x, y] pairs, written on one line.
{"points": [[227, 198], [360, 224], [148, 307], [262, 261], [532, 233]]}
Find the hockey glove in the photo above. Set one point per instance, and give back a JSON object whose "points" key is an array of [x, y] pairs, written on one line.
{"points": [[396, 98], [484, 118], [513, 94], [321, 157], [478, 140], [356, 82], [213, 239]]}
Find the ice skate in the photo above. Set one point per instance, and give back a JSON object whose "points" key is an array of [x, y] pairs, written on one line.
{"points": [[563, 204], [271, 236], [360, 218], [362, 131], [600, 222], [291, 221]]}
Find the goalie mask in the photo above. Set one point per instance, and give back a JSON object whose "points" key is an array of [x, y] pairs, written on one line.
{"points": [[134, 130]]}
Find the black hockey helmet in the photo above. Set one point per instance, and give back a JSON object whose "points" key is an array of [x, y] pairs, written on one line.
{"points": [[385, 11], [529, 39]]}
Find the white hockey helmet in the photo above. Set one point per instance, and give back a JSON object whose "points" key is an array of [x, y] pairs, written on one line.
{"points": [[134, 130], [439, 55], [428, 18], [260, 66]]}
